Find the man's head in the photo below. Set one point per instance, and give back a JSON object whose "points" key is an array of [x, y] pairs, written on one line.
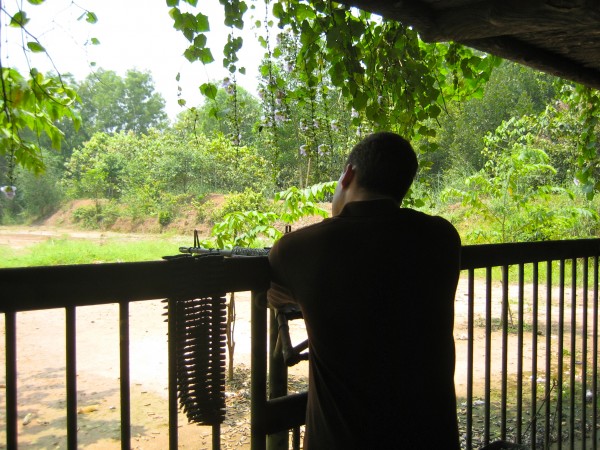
{"points": [[383, 165]]}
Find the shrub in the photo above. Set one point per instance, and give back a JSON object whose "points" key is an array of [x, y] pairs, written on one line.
{"points": [[97, 216], [164, 218], [248, 200]]}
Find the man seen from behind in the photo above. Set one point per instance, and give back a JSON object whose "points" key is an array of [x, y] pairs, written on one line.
{"points": [[376, 286]]}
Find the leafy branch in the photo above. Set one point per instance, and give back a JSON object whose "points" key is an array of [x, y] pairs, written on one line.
{"points": [[33, 106]]}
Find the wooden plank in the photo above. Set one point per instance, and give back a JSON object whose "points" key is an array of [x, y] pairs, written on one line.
{"points": [[46, 287], [492, 255]]}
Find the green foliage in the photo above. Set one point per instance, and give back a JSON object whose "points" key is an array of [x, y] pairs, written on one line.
{"points": [[165, 218], [585, 103], [98, 215], [244, 228], [510, 190], [219, 115], [249, 228], [236, 167], [298, 203], [110, 103], [331, 75], [40, 195], [306, 127], [248, 200], [30, 109], [95, 170], [34, 107], [512, 91], [243, 220], [330, 59], [158, 172]]}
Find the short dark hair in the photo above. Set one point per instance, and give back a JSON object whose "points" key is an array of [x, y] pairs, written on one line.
{"points": [[385, 164]]}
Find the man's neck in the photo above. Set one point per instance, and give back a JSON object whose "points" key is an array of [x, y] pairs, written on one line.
{"points": [[361, 195]]}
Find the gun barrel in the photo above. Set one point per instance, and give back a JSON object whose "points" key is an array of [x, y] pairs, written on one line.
{"points": [[236, 251]]}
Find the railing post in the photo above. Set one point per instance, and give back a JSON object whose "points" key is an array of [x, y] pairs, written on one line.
{"points": [[124, 375], [71, 373], [471, 337], [258, 380], [172, 375], [10, 319]]}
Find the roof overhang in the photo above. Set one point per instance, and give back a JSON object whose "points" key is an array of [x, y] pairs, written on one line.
{"points": [[559, 37]]}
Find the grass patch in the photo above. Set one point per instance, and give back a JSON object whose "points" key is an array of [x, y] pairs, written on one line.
{"points": [[63, 251]]}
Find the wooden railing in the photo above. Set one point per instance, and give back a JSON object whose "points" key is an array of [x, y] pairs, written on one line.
{"points": [[539, 299]]}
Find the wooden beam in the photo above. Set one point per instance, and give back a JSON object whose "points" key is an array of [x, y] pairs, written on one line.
{"points": [[483, 19], [414, 13], [500, 27], [523, 53], [23, 289]]}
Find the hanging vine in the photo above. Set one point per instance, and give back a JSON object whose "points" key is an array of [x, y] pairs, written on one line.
{"points": [[271, 97], [233, 45]]}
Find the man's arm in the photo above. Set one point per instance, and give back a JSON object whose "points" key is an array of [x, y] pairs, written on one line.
{"points": [[279, 296]]}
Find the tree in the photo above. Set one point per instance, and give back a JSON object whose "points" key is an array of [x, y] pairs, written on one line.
{"points": [[143, 107], [226, 114], [510, 190], [306, 127], [112, 104], [512, 91]]}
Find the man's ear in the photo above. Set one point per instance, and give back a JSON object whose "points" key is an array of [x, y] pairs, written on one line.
{"points": [[348, 176]]}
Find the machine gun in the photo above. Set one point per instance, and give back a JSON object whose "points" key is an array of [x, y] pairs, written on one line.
{"points": [[292, 354]]}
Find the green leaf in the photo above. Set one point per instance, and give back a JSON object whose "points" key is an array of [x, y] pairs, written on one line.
{"points": [[206, 56], [91, 17], [200, 41], [202, 24], [36, 2], [360, 101], [304, 11], [434, 111], [95, 41], [198, 54], [35, 47], [172, 3], [19, 20], [278, 11], [209, 90]]}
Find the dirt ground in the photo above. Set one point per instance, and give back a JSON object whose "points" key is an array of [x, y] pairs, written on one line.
{"points": [[41, 378]]}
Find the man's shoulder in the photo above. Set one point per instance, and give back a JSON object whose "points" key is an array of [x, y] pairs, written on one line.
{"points": [[435, 228], [421, 217]]}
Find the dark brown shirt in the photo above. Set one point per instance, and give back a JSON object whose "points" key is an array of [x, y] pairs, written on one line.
{"points": [[376, 286]]}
